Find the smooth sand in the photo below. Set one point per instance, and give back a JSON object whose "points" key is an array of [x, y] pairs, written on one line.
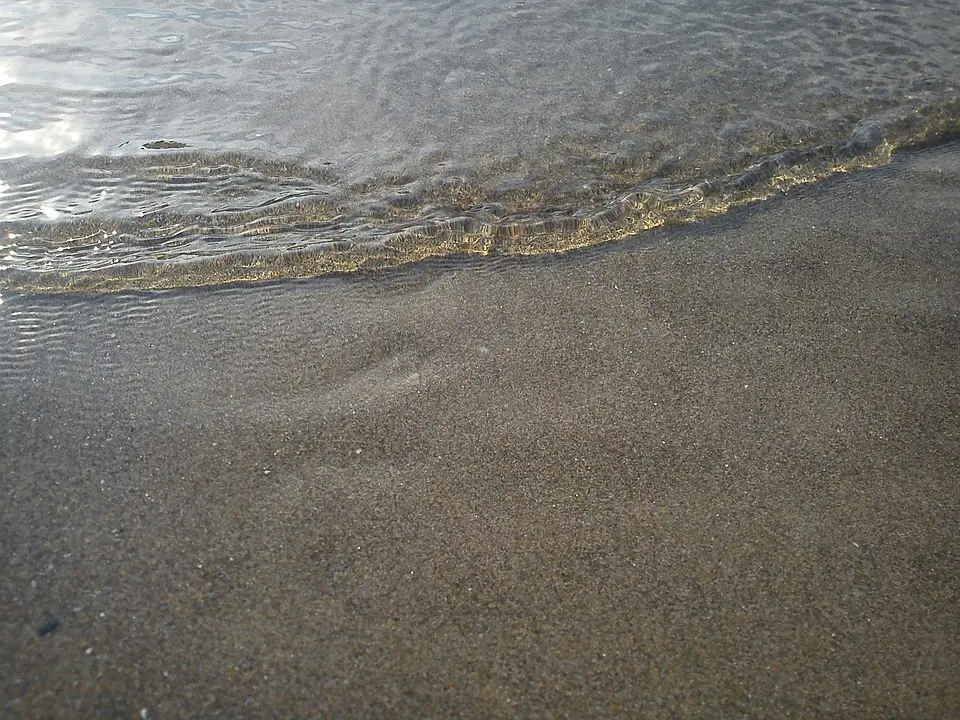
{"points": [[712, 474]]}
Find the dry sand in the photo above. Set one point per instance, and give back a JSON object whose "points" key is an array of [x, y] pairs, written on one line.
{"points": [[712, 473]]}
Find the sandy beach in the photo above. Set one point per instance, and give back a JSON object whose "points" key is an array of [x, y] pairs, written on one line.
{"points": [[712, 472]]}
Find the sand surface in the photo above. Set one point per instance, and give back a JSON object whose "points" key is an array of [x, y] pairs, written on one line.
{"points": [[712, 473]]}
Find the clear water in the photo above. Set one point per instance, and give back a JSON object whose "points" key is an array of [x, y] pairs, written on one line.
{"points": [[147, 136]]}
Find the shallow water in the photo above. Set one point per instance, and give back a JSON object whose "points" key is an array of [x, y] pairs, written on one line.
{"points": [[137, 138]]}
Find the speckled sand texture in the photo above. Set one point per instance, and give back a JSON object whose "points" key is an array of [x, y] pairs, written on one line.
{"points": [[712, 474]]}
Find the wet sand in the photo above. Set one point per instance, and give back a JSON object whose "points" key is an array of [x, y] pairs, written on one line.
{"points": [[712, 473]]}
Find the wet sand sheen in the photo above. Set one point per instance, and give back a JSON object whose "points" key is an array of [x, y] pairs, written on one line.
{"points": [[712, 475]]}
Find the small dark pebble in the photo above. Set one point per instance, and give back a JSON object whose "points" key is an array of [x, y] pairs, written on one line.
{"points": [[48, 627]]}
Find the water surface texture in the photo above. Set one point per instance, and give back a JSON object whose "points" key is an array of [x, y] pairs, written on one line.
{"points": [[304, 137]]}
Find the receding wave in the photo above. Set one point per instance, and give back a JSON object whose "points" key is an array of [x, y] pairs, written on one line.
{"points": [[232, 218]]}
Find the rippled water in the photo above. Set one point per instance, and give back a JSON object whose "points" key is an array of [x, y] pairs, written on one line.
{"points": [[295, 138]]}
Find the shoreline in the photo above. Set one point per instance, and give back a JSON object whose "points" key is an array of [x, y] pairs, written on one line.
{"points": [[186, 251]]}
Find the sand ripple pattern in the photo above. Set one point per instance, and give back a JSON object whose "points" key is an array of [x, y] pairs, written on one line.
{"points": [[44, 336]]}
